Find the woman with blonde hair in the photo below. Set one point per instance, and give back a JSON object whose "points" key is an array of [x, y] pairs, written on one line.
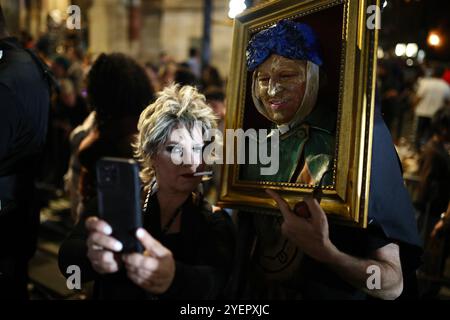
{"points": [[188, 247]]}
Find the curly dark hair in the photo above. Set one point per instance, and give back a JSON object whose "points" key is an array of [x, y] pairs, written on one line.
{"points": [[117, 87]]}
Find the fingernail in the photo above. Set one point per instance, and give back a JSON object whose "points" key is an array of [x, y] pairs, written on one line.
{"points": [[140, 233], [107, 230], [118, 246]]}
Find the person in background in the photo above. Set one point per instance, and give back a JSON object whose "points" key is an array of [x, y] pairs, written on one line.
{"points": [[167, 74], [24, 107], [390, 82], [60, 67], [432, 93], [194, 62], [185, 77], [152, 73], [436, 253], [76, 71], [68, 111], [43, 50], [72, 176], [118, 90], [434, 188], [446, 76], [211, 78], [215, 98]]}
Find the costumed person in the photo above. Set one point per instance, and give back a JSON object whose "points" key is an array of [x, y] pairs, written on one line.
{"points": [[188, 246], [285, 61], [292, 256]]}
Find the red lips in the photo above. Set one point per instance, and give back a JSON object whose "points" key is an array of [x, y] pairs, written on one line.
{"points": [[277, 104]]}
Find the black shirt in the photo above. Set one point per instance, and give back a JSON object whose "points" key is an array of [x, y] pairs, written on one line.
{"points": [[391, 220], [203, 252]]}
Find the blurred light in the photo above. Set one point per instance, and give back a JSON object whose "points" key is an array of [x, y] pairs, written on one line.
{"points": [[434, 40], [236, 7], [56, 15], [421, 56], [380, 53], [409, 62], [400, 49], [385, 3], [411, 50], [60, 49]]}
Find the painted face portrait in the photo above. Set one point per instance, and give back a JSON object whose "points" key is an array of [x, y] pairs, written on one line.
{"points": [[280, 86], [285, 62]]}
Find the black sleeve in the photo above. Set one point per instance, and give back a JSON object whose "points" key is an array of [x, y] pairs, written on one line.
{"points": [[359, 242], [207, 279], [376, 239], [9, 119]]}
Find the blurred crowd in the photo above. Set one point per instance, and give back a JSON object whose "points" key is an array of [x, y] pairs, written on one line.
{"points": [[98, 100], [89, 120], [415, 104]]}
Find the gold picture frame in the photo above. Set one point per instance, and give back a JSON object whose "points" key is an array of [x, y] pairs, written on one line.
{"points": [[346, 200]]}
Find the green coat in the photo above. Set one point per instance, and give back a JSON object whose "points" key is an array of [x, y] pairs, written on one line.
{"points": [[311, 142]]}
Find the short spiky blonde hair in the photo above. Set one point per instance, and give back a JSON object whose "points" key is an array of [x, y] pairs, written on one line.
{"points": [[175, 106]]}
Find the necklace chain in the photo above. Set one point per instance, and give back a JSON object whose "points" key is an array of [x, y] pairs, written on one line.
{"points": [[172, 219]]}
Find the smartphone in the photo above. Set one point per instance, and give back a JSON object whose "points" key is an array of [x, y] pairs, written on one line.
{"points": [[119, 189]]}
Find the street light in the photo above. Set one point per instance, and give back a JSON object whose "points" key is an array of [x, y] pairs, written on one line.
{"points": [[411, 50], [434, 40], [380, 53], [400, 49], [236, 7]]}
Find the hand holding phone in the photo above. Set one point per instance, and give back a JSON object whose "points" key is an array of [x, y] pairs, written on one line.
{"points": [[102, 247], [118, 188]]}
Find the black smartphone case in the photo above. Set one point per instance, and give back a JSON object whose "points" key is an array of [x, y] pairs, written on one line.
{"points": [[118, 188]]}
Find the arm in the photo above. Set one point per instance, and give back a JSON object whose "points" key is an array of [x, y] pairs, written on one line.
{"points": [[157, 272], [311, 235], [443, 224], [90, 247], [418, 95], [8, 120], [355, 271]]}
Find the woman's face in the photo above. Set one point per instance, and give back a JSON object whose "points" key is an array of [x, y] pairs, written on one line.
{"points": [[178, 160], [280, 85]]}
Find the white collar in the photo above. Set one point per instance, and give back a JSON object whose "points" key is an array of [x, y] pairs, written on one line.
{"points": [[284, 128]]}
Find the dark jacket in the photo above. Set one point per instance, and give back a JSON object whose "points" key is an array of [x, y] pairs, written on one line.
{"points": [[24, 106], [203, 254]]}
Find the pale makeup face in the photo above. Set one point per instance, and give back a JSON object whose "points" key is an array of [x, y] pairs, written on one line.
{"points": [[179, 159], [280, 85]]}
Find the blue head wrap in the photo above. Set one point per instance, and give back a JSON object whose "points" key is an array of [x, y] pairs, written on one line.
{"points": [[287, 38]]}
